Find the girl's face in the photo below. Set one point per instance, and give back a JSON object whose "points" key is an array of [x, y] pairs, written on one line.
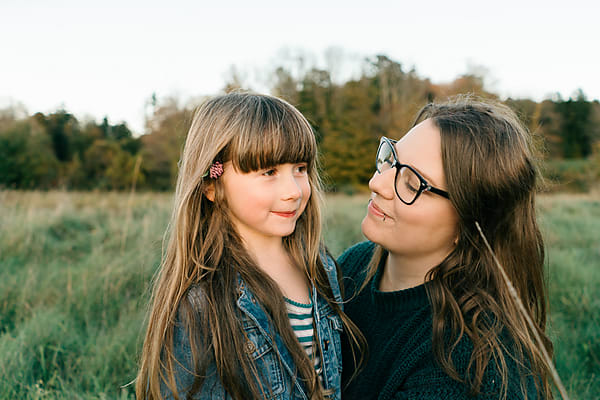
{"points": [[266, 204], [425, 230]]}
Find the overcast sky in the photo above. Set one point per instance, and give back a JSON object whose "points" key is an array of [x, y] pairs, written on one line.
{"points": [[108, 57]]}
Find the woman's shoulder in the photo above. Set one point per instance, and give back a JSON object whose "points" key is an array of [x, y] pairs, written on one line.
{"points": [[428, 379], [516, 370], [357, 257]]}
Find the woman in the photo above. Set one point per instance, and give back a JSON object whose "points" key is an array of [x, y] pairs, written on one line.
{"points": [[424, 290]]}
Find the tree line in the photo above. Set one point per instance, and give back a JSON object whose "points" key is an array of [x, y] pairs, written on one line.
{"points": [[58, 151]]}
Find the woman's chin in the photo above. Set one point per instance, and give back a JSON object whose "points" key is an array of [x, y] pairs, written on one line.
{"points": [[368, 229]]}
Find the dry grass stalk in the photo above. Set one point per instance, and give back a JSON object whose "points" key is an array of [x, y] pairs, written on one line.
{"points": [[532, 326]]}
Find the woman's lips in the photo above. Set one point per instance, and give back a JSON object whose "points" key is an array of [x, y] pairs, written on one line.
{"points": [[373, 209], [285, 214]]}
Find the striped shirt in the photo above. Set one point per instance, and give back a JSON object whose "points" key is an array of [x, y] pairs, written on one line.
{"points": [[301, 319]]}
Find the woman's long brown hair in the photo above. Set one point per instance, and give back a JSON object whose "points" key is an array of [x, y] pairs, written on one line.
{"points": [[253, 132], [491, 176]]}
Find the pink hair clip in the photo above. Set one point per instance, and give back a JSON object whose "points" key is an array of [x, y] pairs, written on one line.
{"points": [[215, 170]]}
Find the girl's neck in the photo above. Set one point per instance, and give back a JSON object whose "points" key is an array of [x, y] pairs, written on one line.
{"points": [[274, 260], [266, 251], [269, 255]]}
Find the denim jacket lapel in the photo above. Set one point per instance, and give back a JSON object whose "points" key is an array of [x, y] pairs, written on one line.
{"points": [[250, 306]]}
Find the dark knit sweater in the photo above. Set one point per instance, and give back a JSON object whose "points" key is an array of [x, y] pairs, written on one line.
{"points": [[398, 329]]}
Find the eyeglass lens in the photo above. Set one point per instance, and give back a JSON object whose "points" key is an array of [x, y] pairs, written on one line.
{"points": [[407, 182], [385, 157]]}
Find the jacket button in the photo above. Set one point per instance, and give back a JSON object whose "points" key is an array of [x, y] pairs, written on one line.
{"points": [[250, 348]]}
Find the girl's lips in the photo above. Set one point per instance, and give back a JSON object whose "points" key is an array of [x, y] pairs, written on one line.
{"points": [[285, 214], [373, 209]]}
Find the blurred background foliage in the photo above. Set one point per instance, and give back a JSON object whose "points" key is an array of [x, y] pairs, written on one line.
{"points": [[58, 151]]}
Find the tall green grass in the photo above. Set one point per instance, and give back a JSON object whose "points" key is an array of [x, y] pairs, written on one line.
{"points": [[571, 227], [76, 268], [74, 279]]}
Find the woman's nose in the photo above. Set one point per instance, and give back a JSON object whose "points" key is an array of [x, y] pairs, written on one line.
{"points": [[383, 183]]}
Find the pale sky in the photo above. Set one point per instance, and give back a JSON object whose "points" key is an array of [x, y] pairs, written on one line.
{"points": [[108, 57]]}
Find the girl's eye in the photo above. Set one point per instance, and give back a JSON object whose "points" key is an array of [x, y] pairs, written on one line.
{"points": [[301, 169], [270, 172]]}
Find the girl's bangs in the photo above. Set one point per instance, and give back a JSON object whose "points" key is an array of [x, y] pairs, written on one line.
{"points": [[269, 143]]}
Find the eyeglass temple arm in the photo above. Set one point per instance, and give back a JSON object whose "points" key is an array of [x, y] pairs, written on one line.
{"points": [[438, 191]]}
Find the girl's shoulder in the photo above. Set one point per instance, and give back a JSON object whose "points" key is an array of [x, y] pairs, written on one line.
{"points": [[331, 270], [194, 296]]}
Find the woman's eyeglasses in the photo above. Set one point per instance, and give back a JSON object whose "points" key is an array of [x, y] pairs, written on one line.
{"points": [[409, 184]]}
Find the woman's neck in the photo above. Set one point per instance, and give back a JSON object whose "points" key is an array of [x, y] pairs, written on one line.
{"points": [[401, 272]]}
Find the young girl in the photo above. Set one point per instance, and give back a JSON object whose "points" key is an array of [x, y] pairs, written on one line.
{"points": [[247, 303]]}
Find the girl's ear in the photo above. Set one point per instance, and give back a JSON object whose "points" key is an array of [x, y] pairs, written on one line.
{"points": [[209, 191]]}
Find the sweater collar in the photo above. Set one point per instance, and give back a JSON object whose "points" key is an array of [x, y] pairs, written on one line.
{"points": [[399, 300]]}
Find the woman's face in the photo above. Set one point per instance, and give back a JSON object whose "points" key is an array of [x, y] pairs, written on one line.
{"points": [[426, 229]]}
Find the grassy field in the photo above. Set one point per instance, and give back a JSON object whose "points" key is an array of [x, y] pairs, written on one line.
{"points": [[75, 270]]}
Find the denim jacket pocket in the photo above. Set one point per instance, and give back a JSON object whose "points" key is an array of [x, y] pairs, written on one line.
{"points": [[268, 366]]}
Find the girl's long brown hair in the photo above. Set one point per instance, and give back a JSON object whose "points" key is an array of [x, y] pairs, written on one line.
{"points": [[489, 166], [253, 132]]}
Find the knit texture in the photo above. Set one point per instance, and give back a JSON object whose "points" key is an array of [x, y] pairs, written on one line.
{"points": [[397, 325]]}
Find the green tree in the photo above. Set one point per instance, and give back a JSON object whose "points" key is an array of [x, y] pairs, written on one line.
{"points": [[575, 126], [97, 159], [61, 127], [89, 133], [161, 146], [400, 95], [285, 85], [314, 99], [121, 172], [349, 144], [27, 159], [526, 111]]}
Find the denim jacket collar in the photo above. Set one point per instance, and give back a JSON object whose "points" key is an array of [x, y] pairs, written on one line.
{"points": [[249, 305]]}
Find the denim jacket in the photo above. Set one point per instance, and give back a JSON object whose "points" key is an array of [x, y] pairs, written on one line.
{"points": [[277, 376]]}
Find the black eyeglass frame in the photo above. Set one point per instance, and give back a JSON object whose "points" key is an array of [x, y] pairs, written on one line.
{"points": [[424, 186]]}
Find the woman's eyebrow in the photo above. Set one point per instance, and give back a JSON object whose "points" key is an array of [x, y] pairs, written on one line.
{"points": [[419, 170], [427, 177]]}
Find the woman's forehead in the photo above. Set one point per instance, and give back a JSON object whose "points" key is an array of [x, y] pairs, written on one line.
{"points": [[421, 148]]}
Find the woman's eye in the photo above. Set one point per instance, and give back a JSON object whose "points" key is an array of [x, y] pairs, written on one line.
{"points": [[411, 187]]}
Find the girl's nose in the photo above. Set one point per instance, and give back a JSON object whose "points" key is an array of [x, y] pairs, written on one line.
{"points": [[292, 189], [383, 183]]}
